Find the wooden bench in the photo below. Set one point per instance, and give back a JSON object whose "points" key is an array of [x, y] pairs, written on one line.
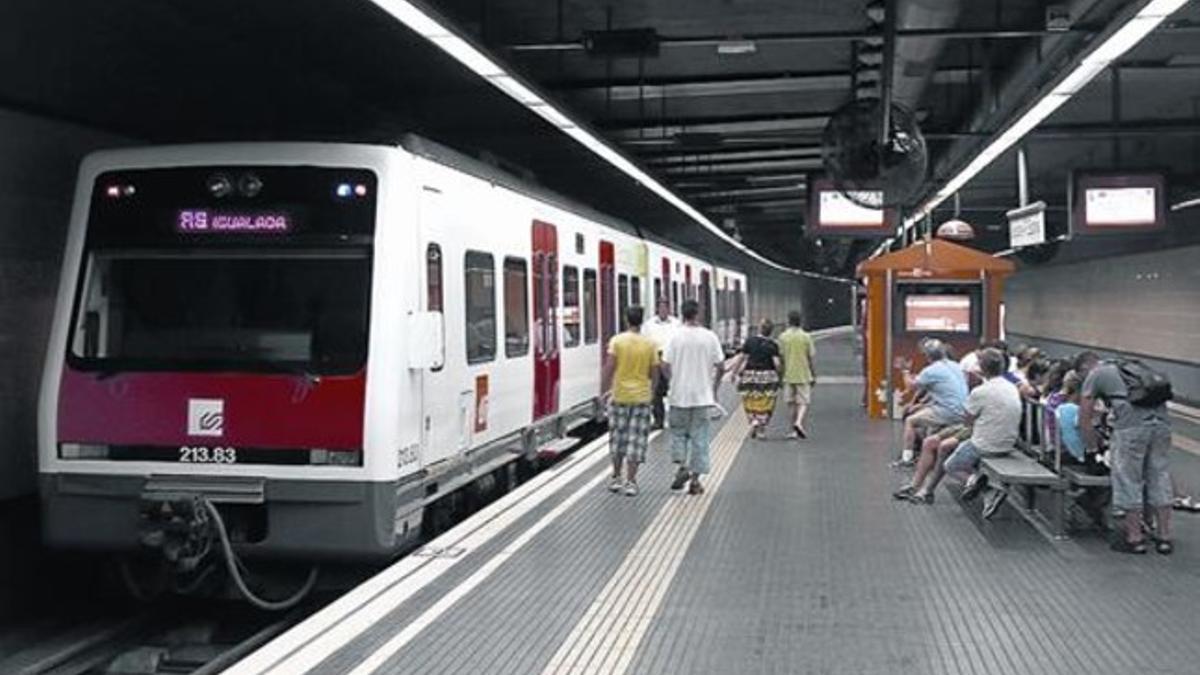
{"points": [[1025, 474]]}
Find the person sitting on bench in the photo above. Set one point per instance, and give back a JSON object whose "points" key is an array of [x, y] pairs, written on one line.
{"points": [[994, 413], [943, 381]]}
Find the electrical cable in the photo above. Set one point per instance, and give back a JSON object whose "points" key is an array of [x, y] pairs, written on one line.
{"points": [[232, 563]]}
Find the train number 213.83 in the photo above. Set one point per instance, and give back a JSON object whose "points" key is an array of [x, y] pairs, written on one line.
{"points": [[203, 455]]}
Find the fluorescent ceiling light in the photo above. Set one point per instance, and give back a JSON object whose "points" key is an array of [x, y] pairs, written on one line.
{"points": [[440, 34], [736, 47], [1120, 41]]}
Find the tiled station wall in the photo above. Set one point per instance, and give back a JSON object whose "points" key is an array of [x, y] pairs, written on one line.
{"points": [[774, 294], [39, 159], [1144, 304]]}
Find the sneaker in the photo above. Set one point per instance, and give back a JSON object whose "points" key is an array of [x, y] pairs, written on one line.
{"points": [[614, 483], [631, 488], [992, 502], [903, 493], [1120, 545], [974, 487], [695, 488], [902, 464], [921, 499], [681, 479]]}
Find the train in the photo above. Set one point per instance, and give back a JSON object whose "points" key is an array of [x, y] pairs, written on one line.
{"points": [[312, 343]]}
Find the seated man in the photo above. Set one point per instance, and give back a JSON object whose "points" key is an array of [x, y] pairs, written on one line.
{"points": [[994, 412], [946, 387]]}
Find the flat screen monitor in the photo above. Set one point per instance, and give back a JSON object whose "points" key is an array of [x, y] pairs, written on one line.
{"points": [[1104, 203], [937, 313], [830, 212]]}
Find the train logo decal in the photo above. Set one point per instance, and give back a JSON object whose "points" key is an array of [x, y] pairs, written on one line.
{"points": [[206, 417]]}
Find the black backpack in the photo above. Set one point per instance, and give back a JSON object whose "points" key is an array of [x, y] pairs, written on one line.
{"points": [[1147, 387]]}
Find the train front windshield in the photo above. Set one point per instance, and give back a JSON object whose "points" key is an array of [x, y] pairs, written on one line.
{"points": [[187, 269]]}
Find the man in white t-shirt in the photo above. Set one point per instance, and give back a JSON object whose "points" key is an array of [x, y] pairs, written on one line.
{"points": [[994, 412], [694, 363], [660, 328]]}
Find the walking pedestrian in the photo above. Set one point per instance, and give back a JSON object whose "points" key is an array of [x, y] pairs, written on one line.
{"points": [[694, 363], [660, 328], [799, 372], [628, 373], [757, 374]]}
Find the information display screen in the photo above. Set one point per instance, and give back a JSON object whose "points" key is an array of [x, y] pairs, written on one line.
{"points": [[837, 210], [1120, 206], [1106, 203], [937, 313], [831, 212]]}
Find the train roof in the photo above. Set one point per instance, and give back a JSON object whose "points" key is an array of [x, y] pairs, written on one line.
{"points": [[434, 151]]}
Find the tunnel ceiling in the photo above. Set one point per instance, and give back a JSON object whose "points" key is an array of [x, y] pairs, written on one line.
{"points": [[723, 100]]}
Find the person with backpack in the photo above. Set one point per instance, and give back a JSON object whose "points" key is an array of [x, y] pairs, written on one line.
{"points": [[1136, 397]]}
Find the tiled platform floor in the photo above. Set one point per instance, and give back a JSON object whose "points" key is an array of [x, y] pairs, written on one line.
{"points": [[797, 561]]}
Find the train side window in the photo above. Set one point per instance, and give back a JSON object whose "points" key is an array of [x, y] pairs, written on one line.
{"points": [[675, 298], [516, 307], [479, 275], [657, 292], [589, 307], [570, 295], [433, 278], [635, 291]]}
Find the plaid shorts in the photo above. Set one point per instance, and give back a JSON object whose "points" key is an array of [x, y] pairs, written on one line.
{"points": [[629, 430]]}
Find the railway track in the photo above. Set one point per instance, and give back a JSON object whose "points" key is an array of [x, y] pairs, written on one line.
{"points": [[174, 638]]}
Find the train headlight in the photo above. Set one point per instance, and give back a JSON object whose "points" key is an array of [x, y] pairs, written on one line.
{"points": [[249, 185], [219, 185], [82, 451], [323, 457]]}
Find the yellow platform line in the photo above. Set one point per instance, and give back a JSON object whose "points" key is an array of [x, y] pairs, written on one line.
{"points": [[609, 633]]}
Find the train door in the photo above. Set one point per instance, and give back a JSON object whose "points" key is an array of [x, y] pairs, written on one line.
{"points": [[706, 317], [664, 292], [608, 308], [740, 312], [446, 425], [545, 320]]}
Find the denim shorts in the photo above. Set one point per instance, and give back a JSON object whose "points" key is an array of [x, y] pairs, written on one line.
{"points": [[964, 459], [691, 432], [1140, 466]]}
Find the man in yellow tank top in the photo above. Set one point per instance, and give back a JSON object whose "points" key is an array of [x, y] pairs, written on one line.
{"points": [[629, 373]]}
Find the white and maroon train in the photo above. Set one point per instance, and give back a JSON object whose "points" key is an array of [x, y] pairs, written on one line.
{"points": [[322, 339]]}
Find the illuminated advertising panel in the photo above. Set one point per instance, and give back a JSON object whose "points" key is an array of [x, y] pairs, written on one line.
{"points": [[1106, 202]]}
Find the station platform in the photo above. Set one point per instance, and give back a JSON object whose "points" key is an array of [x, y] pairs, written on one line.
{"points": [[796, 560]]}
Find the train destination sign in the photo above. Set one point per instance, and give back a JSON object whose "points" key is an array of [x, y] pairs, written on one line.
{"points": [[206, 221]]}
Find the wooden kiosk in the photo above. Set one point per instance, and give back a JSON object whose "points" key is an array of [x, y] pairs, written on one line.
{"points": [[930, 289]]}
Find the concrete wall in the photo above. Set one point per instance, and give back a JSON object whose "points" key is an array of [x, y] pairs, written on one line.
{"points": [[38, 162], [1144, 304]]}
